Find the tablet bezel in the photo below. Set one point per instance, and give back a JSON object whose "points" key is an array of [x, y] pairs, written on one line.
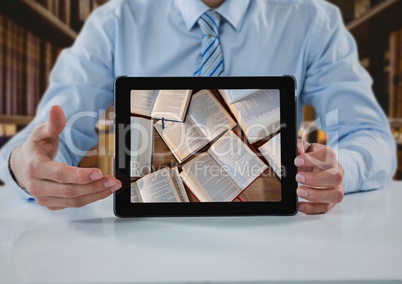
{"points": [[288, 204]]}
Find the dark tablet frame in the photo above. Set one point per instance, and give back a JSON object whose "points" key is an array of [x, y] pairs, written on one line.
{"points": [[288, 204]]}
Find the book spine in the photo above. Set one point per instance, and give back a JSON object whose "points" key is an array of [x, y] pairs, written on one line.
{"points": [[84, 9], [21, 60], [36, 71], [30, 74], [64, 11], [56, 8], [386, 80], [2, 64], [15, 58], [49, 5], [9, 54], [393, 70], [398, 79]]}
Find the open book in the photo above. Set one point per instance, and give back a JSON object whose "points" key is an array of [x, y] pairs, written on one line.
{"points": [[140, 146], [206, 120], [232, 96], [223, 172], [271, 151], [258, 114], [167, 104], [163, 185]]}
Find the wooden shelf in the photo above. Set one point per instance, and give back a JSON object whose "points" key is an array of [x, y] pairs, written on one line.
{"points": [[39, 20], [395, 122], [375, 26], [19, 120]]}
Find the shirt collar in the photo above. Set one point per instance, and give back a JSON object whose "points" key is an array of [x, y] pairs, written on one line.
{"points": [[232, 10]]}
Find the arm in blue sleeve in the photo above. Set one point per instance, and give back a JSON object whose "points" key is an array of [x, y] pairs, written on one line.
{"points": [[339, 88], [81, 82]]}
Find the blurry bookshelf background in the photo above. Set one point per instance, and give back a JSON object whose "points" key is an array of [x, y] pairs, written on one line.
{"points": [[33, 32], [377, 28]]}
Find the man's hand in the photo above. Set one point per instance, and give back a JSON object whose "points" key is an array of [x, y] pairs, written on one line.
{"points": [[56, 185], [320, 175]]}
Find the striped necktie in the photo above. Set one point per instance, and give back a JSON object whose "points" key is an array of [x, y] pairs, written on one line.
{"points": [[211, 63]]}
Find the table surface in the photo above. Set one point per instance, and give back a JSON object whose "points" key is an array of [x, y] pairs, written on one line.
{"points": [[360, 239]]}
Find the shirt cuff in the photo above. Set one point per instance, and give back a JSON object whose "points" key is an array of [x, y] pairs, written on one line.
{"points": [[351, 162], [12, 183]]}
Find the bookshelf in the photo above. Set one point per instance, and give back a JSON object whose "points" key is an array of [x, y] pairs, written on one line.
{"points": [[373, 29], [19, 120], [39, 20], [32, 34], [384, 17]]}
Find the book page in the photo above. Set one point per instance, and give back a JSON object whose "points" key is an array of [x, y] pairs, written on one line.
{"points": [[183, 139], [209, 115], [179, 185], [135, 193], [142, 101], [158, 187], [207, 181], [232, 96], [258, 114], [171, 104], [271, 150], [237, 159], [141, 146]]}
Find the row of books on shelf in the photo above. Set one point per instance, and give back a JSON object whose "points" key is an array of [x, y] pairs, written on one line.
{"points": [[205, 139], [353, 9], [391, 80], [71, 12], [25, 63], [393, 73]]}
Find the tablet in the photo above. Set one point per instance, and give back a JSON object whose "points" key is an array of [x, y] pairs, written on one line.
{"points": [[205, 146]]}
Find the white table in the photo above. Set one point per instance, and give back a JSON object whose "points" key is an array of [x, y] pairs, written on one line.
{"points": [[361, 239]]}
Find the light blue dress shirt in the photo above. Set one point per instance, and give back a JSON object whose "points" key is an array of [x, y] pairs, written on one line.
{"points": [[304, 38]]}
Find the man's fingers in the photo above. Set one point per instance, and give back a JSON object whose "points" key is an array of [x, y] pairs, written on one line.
{"points": [[43, 188], [56, 203], [333, 195], [329, 178], [52, 128], [62, 173], [321, 177], [319, 156], [302, 146], [315, 208]]}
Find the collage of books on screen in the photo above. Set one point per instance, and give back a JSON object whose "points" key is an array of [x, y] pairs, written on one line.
{"points": [[217, 144]]}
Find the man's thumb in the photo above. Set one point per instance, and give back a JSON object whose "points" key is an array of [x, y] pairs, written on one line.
{"points": [[53, 127], [57, 121]]}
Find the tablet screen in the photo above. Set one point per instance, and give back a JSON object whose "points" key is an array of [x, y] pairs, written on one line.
{"points": [[205, 145]]}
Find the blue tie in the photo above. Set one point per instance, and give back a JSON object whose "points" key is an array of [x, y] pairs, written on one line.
{"points": [[211, 55]]}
